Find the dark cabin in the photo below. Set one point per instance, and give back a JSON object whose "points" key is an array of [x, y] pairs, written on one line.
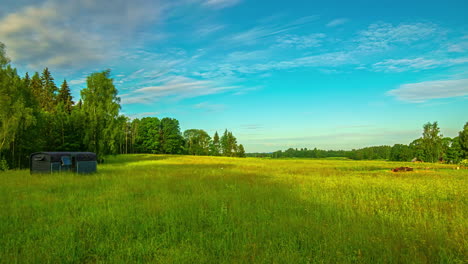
{"points": [[48, 162]]}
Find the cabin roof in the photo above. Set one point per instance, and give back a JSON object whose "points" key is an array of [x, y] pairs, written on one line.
{"points": [[54, 153]]}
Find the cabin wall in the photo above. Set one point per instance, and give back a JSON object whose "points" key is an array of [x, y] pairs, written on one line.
{"points": [[80, 162], [42, 166], [86, 166]]}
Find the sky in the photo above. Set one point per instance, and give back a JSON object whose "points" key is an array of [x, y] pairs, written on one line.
{"points": [[278, 74]]}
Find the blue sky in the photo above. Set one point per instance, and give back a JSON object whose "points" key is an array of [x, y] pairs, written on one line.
{"points": [[279, 74]]}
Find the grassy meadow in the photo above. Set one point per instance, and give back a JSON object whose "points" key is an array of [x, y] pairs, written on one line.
{"points": [[188, 209]]}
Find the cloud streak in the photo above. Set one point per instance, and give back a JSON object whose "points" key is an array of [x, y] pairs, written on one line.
{"points": [[177, 87], [383, 36], [337, 22], [218, 4], [401, 65], [424, 91]]}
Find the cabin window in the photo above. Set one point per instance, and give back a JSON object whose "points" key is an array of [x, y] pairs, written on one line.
{"points": [[39, 157], [66, 161]]}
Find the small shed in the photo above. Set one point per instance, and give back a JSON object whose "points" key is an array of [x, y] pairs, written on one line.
{"points": [[48, 162]]}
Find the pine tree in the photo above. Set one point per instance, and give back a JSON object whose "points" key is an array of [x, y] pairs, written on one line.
{"points": [[215, 145], [36, 88], [241, 151], [64, 96], [49, 94], [79, 104], [3, 57], [224, 142], [27, 80]]}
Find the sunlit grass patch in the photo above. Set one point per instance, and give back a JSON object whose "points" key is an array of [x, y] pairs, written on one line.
{"points": [[182, 209]]}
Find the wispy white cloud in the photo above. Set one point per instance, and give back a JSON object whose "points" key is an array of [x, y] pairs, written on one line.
{"points": [[252, 126], [209, 29], [77, 81], [209, 107], [251, 36], [401, 65], [178, 87], [254, 55], [140, 115], [337, 22], [218, 4], [301, 42], [264, 31], [459, 47], [382, 36], [331, 59], [423, 91]]}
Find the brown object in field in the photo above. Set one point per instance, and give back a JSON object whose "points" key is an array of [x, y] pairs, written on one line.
{"points": [[402, 169]]}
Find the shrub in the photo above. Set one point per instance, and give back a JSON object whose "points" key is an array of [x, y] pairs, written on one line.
{"points": [[464, 163], [3, 165]]}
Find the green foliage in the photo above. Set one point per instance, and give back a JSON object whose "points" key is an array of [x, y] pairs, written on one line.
{"points": [[400, 152], [170, 136], [49, 91], [453, 153], [147, 140], [197, 142], [4, 165], [241, 151], [432, 142], [464, 163], [64, 96], [463, 140], [15, 113], [228, 143], [215, 147], [3, 57], [101, 109]]}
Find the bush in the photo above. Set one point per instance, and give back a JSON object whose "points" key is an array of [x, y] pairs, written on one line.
{"points": [[464, 163], [3, 165]]}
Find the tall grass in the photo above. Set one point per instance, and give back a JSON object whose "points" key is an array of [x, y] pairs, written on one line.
{"points": [[183, 209]]}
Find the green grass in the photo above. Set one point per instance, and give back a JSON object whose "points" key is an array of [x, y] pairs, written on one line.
{"points": [[183, 209]]}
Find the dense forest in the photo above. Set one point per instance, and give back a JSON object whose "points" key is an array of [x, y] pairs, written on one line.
{"points": [[36, 115], [430, 147]]}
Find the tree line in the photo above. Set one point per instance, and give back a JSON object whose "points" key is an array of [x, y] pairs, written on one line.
{"points": [[36, 115], [432, 146]]}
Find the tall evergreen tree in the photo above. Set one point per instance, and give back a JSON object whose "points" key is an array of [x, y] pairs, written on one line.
{"points": [[215, 145], [241, 151], [224, 142], [49, 91], [36, 88], [27, 80], [4, 60], [64, 96], [228, 144]]}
